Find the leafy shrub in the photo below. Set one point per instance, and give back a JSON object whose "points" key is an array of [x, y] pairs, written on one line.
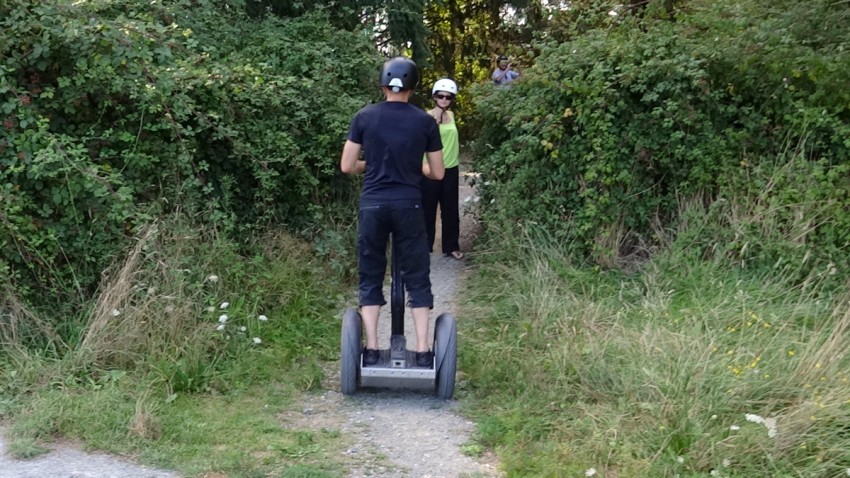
{"points": [[614, 129], [113, 112]]}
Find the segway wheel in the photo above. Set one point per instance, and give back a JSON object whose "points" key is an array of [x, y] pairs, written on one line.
{"points": [[351, 348], [445, 355]]}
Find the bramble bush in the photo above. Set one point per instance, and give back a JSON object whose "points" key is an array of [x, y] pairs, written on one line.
{"points": [[114, 112], [619, 128]]}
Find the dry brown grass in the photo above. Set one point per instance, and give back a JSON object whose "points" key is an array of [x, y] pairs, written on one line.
{"points": [[617, 247], [148, 303], [826, 354], [19, 324], [108, 325], [144, 423]]}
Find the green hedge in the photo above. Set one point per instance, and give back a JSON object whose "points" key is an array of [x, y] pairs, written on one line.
{"points": [[616, 129], [114, 111]]}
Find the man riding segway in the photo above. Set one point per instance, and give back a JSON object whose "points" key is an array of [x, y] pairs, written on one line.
{"points": [[393, 136]]}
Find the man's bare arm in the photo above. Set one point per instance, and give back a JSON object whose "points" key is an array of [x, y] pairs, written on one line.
{"points": [[350, 162], [436, 165]]}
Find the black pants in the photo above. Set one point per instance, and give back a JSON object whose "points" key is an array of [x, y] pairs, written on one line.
{"points": [[404, 220], [444, 193]]}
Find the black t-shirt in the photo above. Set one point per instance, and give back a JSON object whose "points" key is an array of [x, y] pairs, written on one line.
{"points": [[394, 136]]}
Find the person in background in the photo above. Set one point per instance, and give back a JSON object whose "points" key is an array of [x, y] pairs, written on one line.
{"points": [[504, 74], [444, 191], [393, 136]]}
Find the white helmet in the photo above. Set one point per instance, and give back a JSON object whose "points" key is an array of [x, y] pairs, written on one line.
{"points": [[446, 85]]}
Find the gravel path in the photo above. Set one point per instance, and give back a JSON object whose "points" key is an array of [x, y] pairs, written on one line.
{"points": [[398, 434], [67, 462], [391, 434]]}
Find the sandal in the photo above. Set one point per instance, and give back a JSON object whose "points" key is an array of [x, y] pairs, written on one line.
{"points": [[457, 255]]}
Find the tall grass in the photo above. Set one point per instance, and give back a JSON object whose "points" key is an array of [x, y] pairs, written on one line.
{"points": [[689, 365], [184, 322]]}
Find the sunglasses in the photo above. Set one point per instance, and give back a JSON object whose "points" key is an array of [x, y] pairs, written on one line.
{"points": [[444, 97]]}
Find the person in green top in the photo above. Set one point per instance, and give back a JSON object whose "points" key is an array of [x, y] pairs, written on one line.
{"points": [[445, 191]]}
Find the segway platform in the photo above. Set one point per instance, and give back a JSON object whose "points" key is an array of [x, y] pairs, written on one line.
{"points": [[396, 367]]}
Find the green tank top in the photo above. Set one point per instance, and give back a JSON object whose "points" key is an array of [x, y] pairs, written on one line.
{"points": [[451, 143]]}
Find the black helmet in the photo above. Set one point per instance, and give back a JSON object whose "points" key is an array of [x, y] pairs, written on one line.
{"points": [[502, 58], [400, 73]]}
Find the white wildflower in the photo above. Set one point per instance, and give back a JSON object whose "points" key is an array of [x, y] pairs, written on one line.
{"points": [[752, 417], [262, 318], [590, 472], [734, 428], [714, 473], [210, 309], [612, 13], [257, 340], [116, 312], [680, 459], [727, 462], [224, 305], [714, 417], [222, 318], [467, 199], [220, 326], [212, 278], [492, 200], [848, 471], [477, 198], [769, 423], [243, 328], [486, 183]]}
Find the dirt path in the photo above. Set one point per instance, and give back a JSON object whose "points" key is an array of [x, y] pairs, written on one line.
{"points": [[396, 434], [65, 461]]}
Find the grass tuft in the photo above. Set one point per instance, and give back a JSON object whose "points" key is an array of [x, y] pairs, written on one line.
{"points": [[680, 368], [183, 358]]}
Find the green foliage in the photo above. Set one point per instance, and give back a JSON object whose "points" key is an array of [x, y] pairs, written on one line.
{"points": [[209, 305], [786, 216], [237, 435], [653, 373], [113, 112], [396, 24], [466, 36], [615, 127], [191, 344]]}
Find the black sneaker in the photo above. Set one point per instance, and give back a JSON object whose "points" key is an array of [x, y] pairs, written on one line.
{"points": [[424, 359], [370, 357]]}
